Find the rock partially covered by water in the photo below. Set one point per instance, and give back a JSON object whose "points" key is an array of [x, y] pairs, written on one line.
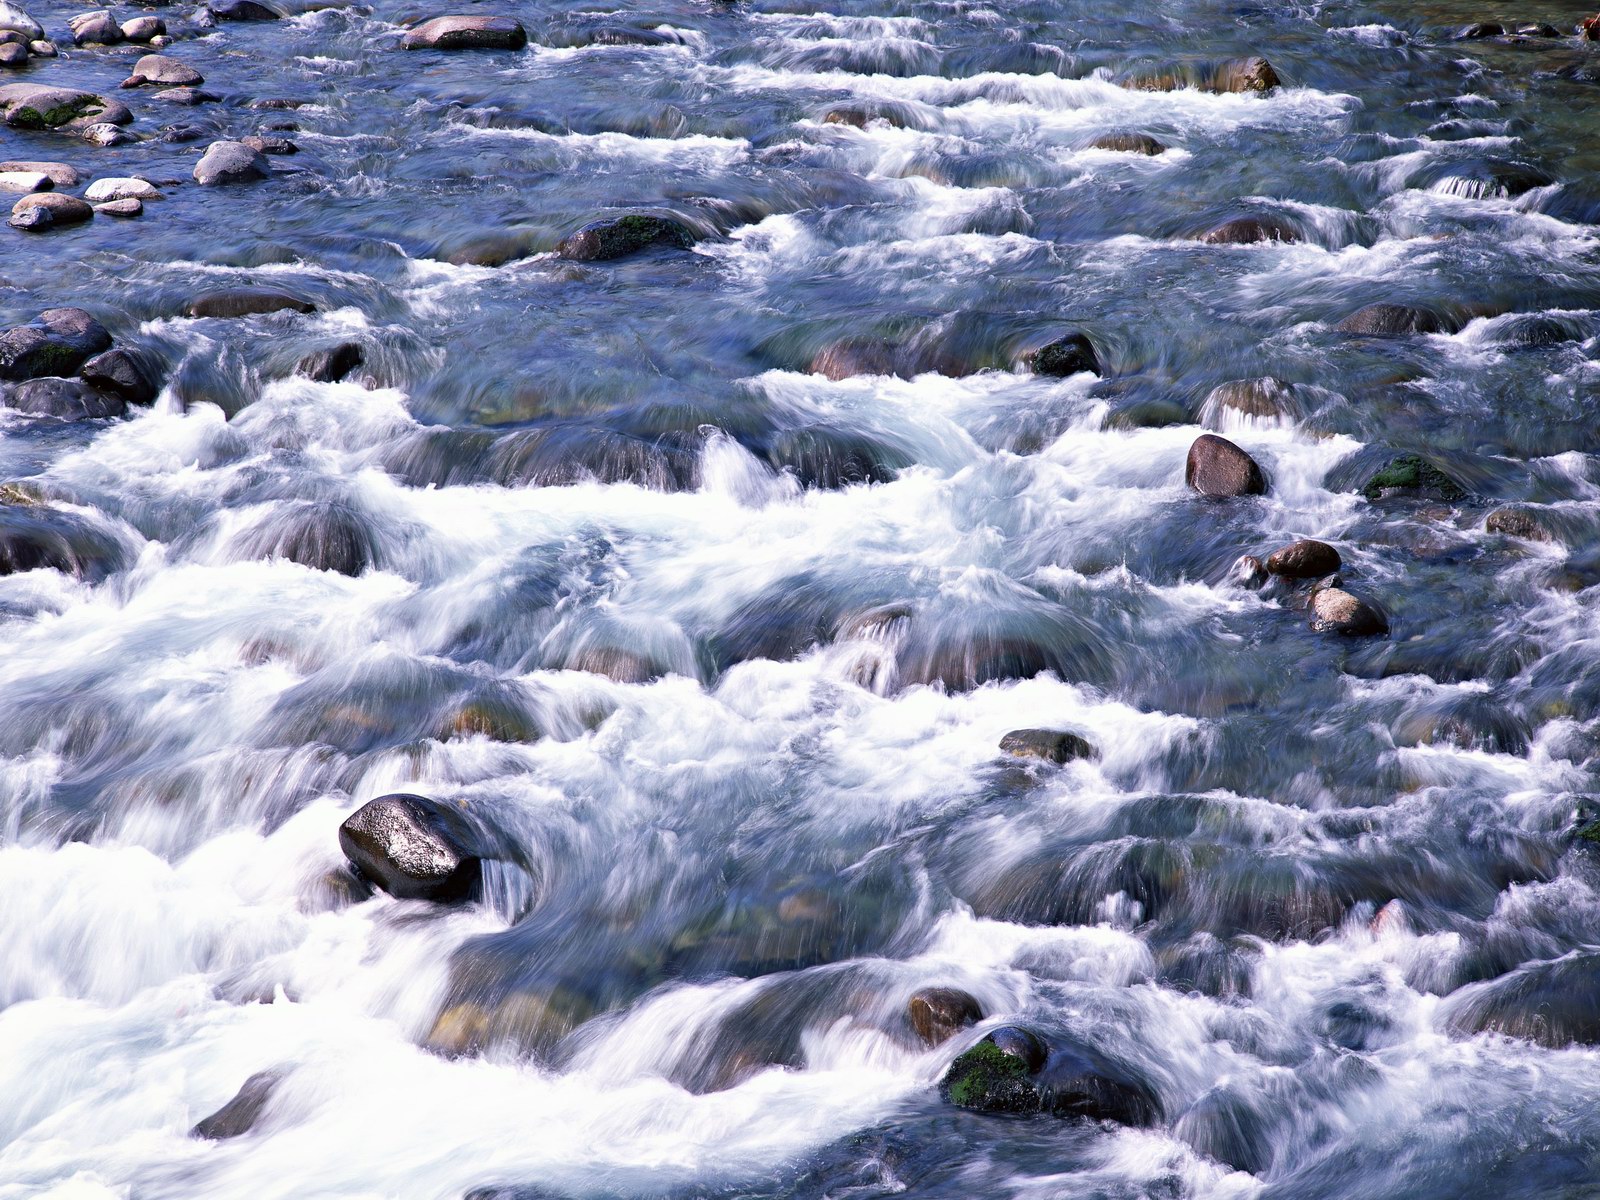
{"points": [[102, 190], [12, 54], [239, 1115], [31, 106], [1552, 1003], [1334, 610], [1012, 1070], [617, 237], [1248, 75], [65, 399], [59, 174], [131, 374], [939, 1013], [1052, 745], [1069, 355], [246, 302], [1262, 400], [1481, 29], [331, 364], [161, 69], [1305, 559], [412, 848], [63, 209], [467, 33], [1218, 468], [1515, 521], [1393, 320], [1410, 475], [144, 29], [319, 535], [1129, 143], [229, 162], [241, 10], [1247, 231], [58, 343]]}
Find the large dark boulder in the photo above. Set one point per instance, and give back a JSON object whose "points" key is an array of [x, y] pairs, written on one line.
{"points": [[1410, 475], [1247, 231], [239, 1115], [1305, 559], [131, 374], [1218, 468], [1128, 143], [58, 343], [322, 536], [1012, 1070], [1069, 355], [1552, 1003], [467, 33], [241, 10], [617, 237], [412, 848]]}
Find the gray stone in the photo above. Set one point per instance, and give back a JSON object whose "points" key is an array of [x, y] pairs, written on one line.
{"points": [[61, 175], [116, 188], [617, 237], [1052, 745], [25, 182], [1392, 320], [42, 49], [131, 374], [271, 145], [121, 208], [246, 302], [467, 33], [33, 106], [13, 17], [412, 848], [65, 399], [58, 343], [162, 69], [239, 1115], [143, 29], [229, 162], [186, 96], [13, 55], [104, 134], [31, 220], [95, 28], [242, 10], [64, 209]]}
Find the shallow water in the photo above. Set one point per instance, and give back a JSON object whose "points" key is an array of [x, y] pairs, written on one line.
{"points": [[717, 651]]}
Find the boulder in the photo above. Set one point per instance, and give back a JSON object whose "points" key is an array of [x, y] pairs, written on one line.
{"points": [[143, 29], [1549, 1002], [467, 33], [1411, 476], [241, 10], [1253, 74], [58, 343], [1052, 745], [239, 1115], [13, 55], [64, 209], [616, 237], [24, 182], [1247, 231], [228, 163], [246, 302], [939, 1013], [1334, 610], [1540, 30], [1305, 559], [42, 49], [13, 17], [1069, 355], [1218, 468], [317, 534], [95, 28], [331, 364], [104, 134], [10, 37], [412, 848], [31, 106], [1129, 143], [849, 357], [121, 208], [161, 69], [128, 373], [127, 188], [1481, 29], [1392, 320], [270, 145], [1012, 1071], [1248, 571], [66, 399], [1514, 521], [1265, 399], [59, 174]]}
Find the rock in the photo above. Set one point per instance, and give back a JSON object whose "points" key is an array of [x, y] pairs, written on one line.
{"points": [[1540, 30], [1334, 610], [1512, 521], [1246, 231], [1248, 571], [59, 174], [1069, 355], [617, 237], [849, 357], [317, 534], [14, 18], [1411, 475], [95, 28], [182, 133], [104, 134], [13, 55], [246, 302], [228, 163], [42, 49], [130, 374], [1549, 1002], [1589, 29], [332, 364], [58, 343], [467, 33], [143, 29], [121, 188], [1246, 75], [121, 208], [860, 116], [187, 96], [64, 209], [1012, 1071], [412, 848], [1052, 745], [159, 68], [241, 10], [1481, 29], [67, 399], [30, 106], [1305, 559], [31, 220], [10, 37], [270, 145], [1129, 143], [1218, 468], [1265, 399], [1391, 320], [939, 1013], [239, 1115], [25, 182]]}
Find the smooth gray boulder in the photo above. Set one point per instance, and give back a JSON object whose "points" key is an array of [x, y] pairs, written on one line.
{"points": [[467, 33], [229, 162]]}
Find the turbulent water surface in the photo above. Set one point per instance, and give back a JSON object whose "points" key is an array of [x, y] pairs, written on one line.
{"points": [[704, 583]]}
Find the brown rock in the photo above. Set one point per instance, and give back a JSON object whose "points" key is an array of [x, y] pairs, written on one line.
{"points": [[1305, 559], [467, 33], [1513, 521], [1334, 610], [939, 1013], [1129, 143], [1218, 468], [1247, 231], [1052, 745], [64, 209]]}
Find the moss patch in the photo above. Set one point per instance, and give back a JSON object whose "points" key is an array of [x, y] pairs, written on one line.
{"points": [[1412, 473], [989, 1079]]}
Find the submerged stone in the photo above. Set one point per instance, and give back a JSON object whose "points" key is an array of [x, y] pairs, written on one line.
{"points": [[617, 237], [1069, 355], [467, 33], [239, 1116], [1052, 745]]}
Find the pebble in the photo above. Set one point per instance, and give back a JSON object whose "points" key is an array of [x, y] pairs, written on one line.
{"points": [[13, 55], [32, 220], [42, 49], [121, 189], [105, 134]]}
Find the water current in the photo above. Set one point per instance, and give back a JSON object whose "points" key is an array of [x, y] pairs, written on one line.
{"points": [[702, 584]]}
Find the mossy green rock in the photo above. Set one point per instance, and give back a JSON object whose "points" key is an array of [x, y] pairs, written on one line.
{"points": [[988, 1079], [1412, 475]]}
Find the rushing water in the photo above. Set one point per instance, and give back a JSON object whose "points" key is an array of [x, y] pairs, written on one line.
{"points": [[718, 650]]}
